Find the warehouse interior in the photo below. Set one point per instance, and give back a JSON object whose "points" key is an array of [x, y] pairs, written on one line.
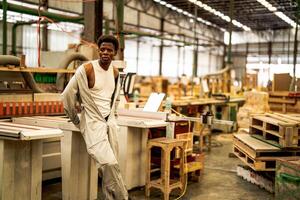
{"points": [[208, 105]]}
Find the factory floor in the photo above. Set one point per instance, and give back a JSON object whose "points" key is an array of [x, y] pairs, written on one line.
{"points": [[219, 180]]}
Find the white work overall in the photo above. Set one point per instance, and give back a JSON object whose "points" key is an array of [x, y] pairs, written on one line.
{"points": [[99, 134]]}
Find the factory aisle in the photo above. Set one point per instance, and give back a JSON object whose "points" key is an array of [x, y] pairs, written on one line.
{"points": [[219, 180]]}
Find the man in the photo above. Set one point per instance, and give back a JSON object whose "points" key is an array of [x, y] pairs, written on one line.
{"points": [[96, 86]]}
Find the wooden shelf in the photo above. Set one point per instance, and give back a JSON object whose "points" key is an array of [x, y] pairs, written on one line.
{"points": [[36, 70]]}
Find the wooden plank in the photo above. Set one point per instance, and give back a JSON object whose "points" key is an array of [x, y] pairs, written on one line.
{"points": [[51, 162], [277, 100], [20, 126], [273, 121], [36, 169], [43, 121], [293, 117], [257, 165], [261, 138], [37, 70], [66, 163], [286, 118], [41, 134], [16, 98], [7, 154], [47, 97], [255, 144]]}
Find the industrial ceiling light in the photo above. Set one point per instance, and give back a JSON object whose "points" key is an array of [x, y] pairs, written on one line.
{"points": [[170, 6], [279, 14], [163, 3], [219, 14]]}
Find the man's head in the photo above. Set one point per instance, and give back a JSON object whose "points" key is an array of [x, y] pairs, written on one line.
{"points": [[108, 46]]}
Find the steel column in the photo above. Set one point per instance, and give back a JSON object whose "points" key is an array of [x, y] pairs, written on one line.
{"points": [[269, 52], [293, 84], [93, 17], [195, 57], [231, 9], [289, 40], [138, 43], [161, 48], [45, 29], [4, 24], [119, 27]]}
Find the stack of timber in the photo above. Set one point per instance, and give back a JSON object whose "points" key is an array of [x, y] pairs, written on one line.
{"points": [[285, 102], [271, 136], [12, 105]]}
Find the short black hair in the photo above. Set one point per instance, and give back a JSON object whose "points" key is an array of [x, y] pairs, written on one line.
{"points": [[108, 39]]}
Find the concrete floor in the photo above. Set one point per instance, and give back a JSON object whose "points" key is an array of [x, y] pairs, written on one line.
{"points": [[219, 180]]}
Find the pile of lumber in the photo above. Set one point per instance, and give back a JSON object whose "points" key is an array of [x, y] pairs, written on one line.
{"points": [[255, 103], [285, 101], [271, 136]]}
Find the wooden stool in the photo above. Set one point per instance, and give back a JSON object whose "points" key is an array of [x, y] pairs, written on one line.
{"points": [[164, 183]]}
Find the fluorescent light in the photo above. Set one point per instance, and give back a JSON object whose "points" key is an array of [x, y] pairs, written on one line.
{"points": [[279, 14], [163, 3], [219, 14], [170, 6]]}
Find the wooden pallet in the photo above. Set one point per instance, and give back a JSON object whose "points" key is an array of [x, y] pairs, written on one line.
{"points": [[279, 130], [262, 164], [258, 155], [256, 148]]}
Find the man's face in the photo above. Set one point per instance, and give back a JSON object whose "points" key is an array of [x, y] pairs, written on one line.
{"points": [[106, 52]]}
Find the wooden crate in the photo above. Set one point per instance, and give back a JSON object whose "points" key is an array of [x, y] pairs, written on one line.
{"points": [[281, 131], [287, 181], [258, 155]]}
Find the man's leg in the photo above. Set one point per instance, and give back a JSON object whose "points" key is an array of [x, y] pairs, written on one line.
{"points": [[112, 183]]}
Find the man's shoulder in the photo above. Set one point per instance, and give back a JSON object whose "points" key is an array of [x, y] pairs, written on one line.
{"points": [[88, 66]]}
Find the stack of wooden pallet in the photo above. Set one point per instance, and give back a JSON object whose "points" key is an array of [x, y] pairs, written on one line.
{"points": [[271, 136]]}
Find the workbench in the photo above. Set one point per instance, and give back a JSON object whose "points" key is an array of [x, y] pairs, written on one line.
{"points": [[21, 160], [132, 140], [79, 171]]}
